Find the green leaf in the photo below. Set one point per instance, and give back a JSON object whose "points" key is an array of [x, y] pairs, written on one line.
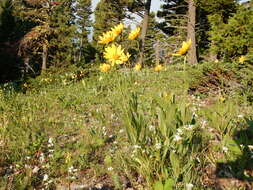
{"points": [[158, 186], [169, 183], [175, 163]]}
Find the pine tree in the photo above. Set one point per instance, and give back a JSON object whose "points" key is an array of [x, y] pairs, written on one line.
{"points": [[37, 38], [151, 40], [233, 38], [63, 36], [84, 51], [11, 30], [144, 29], [108, 13], [173, 14], [52, 34], [217, 13], [191, 32]]}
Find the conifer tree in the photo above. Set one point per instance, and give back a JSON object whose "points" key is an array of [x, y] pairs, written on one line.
{"points": [[63, 36], [173, 13], [217, 13], [83, 13], [52, 34], [191, 32], [108, 13], [147, 6], [151, 40]]}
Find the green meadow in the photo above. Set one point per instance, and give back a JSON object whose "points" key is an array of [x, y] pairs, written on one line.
{"points": [[181, 128]]}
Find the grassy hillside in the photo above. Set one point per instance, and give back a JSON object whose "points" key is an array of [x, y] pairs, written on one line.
{"points": [[174, 129]]}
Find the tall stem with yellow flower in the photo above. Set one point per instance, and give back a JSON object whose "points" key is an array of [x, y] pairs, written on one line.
{"points": [[114, 54], [132, 36], [183, 52]]}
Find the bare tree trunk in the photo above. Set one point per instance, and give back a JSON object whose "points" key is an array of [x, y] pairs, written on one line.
{"points": [[44, 57], [192, 54], [26, 63], [80, 51], [144, 30], [157, 53]]}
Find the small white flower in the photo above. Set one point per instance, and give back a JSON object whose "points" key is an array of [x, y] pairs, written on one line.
{"points": [[75, 170], [225, 149], [110, 169], [179, 131], [250, 147], [110, 136], [189, 186], [151, 127], [136, 146], [70, 169], [121, 131], [158, 146], [45, 177], [189, 127], [240, 116], [35, 169], [41, 158], [115, 142], [177, 138], [144, 151], [50, 140]]}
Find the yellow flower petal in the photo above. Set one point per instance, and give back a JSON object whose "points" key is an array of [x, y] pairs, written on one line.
{"points": [[242, 59], [137, 67], [134, 33], [105, 67], [115, 54], [118, 29], [183, 50], [158, 68], [107, 37]]}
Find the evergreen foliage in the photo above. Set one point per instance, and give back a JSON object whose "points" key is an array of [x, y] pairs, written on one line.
{"points": [[84, 50], [108, 13], [233, 38]]}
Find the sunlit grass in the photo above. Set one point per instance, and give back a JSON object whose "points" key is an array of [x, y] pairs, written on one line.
{"points": [[134, 125]]}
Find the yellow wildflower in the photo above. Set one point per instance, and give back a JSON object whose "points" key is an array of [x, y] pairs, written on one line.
{"points": [[115, 54], [25, 85], [222, 99], [158, 68], [68, 158], [183, 50], [134, 33], [117, 29], [137, 67], [105, 67], [125, 57], [242, 59], [107, 37]]}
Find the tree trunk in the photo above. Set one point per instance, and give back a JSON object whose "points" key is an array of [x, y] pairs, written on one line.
{"points": [[192, 53], [44, 57], [80, 51], [157, 53], [26, 63], [144, 30]]}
